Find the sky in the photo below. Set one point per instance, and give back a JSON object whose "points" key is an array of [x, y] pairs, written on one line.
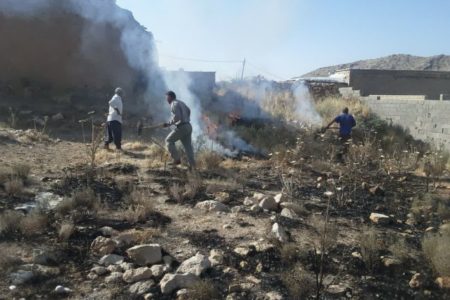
{"points": [[281, 39]]}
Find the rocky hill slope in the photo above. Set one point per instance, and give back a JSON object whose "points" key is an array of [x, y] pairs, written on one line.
{"points": [[391, 62]]}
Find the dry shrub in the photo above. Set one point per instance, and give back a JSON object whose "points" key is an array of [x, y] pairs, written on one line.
{"points": [[33, 224], [327, 233], [10, 221], [135, 146], [203, 290], [8, 256], [65, 231], [14, 187], [400, 250], [192, 187], [176, 192], [289, 253], [370, 247], [299, 283], [82, 205], [21, 171], [141, 206], [209, 160], [436, 248], [156, 156], [5, 174]]}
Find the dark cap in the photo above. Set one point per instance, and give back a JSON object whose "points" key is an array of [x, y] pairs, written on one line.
{"points": [[171, 94]]}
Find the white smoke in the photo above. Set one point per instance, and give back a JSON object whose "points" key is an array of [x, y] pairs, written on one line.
{"points": [[305, 110]]}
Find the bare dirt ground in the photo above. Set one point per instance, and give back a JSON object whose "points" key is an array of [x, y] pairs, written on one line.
{"points": [[255, 262]]}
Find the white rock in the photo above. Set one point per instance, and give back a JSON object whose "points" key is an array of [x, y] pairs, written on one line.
{"points": [[141, 287], [280, 233], [159, 270], [249, 201], [216, 257], [268, 203], [195, 265], [279, 198], [99, 270], [138, 274], [62, 290], [172, 282], [145, 254], [258, 197], [289, 213], [379, 218], [114, 277], [212, 205], [126, 266], [110, 259]]}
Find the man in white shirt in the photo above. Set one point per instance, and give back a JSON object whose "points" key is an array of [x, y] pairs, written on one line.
{"points": [[183, 131], [114, 120]]}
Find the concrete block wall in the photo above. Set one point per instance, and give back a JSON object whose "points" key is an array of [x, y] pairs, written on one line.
{"points": [[427, 120]]}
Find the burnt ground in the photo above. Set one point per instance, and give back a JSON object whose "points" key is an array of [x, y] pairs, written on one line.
{"points": [[183, 230]]}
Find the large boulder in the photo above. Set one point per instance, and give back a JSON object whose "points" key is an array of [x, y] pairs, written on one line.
{"points": [[138, 274], [145, 254], [172, 282], [195, 265]]}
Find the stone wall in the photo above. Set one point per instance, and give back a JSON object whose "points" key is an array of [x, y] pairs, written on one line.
{"points": [[427, 120]]}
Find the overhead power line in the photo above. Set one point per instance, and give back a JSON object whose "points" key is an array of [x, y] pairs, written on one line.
{"points": [[201, 60]]}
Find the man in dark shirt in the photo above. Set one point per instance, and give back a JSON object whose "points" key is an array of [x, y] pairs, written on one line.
{"points": [[346, 123]]}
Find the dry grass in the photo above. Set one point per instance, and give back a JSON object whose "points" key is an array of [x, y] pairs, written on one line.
{"points": [[10, 222], [65, 231], [298, 282], [9, 256], [203, 290], [370, 247], [192, 186], [140, 207], [289, 253], [135, 146], [21, 171], [33, 224], [82, 205], [209, 160], [400, 250], [435, 248], [14, 187], [176, 192]]}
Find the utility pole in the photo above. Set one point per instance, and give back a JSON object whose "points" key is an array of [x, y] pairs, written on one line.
{"points": [[243, 68]]}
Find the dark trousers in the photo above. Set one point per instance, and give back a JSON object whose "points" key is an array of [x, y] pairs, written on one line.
{"points": [[114, 134]]}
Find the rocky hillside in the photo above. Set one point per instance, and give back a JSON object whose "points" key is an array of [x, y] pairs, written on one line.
{"points": [[391, 62]]}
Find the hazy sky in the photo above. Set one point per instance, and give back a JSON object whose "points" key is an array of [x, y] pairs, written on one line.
{"points": [[285, 38]]}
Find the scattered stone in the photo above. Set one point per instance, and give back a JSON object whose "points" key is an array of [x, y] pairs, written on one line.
{"points": [[114, 268], [356, 254], [279, 198], [249, 201], [103, 246], [222, 197], [243, 250], [114, 277], [47, 200], [227, 226], [141, 287], [159, 270], [257, 197], [268, 203], [443, 282], [338, 290], [416, 281], [99, 270], [195, 265], [244, 265], [280, 233], [59, 289], [273, 296], [110, 259], [256, 208], [126, 266], [390, 262], [379, 218], [212, 205], [172, 282], [145, 254], [289, 213], [108, 231], [216, 257], [138, 274]]}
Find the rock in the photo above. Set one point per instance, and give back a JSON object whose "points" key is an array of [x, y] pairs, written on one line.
{"points": [[249, 201], [114, 277], [47, 257], [59, 289], [279, 198], [195, 265], [244, 265], [379, 218], [103, 246], [280, 233], [257, 197], [256, 208], [145, 254], [21, 277], [357, 255], [416, 281], [243, 250], [99, 270], [114, 268], [47, 200], [289, 213], [443, 282], [149, 296], [216, 257], [141, 287], [227, 226], [159, 270], [127, 238], [138, 274], [376, 191], [212, 205], [222, 197], [108, 231], [273, 296], [237, 209], [110, 259], [390, 262], [172, 282], [126, 266], [268, 203]]}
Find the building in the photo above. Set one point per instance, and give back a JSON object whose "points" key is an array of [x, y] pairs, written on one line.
{"points": [[416, 84]]}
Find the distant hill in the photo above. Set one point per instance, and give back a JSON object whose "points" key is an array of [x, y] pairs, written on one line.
{"points": [[391, 62]]}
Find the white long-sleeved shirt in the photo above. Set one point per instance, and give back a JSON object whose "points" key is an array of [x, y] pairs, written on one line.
{"points": [[115, 103], [180, 113]]}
